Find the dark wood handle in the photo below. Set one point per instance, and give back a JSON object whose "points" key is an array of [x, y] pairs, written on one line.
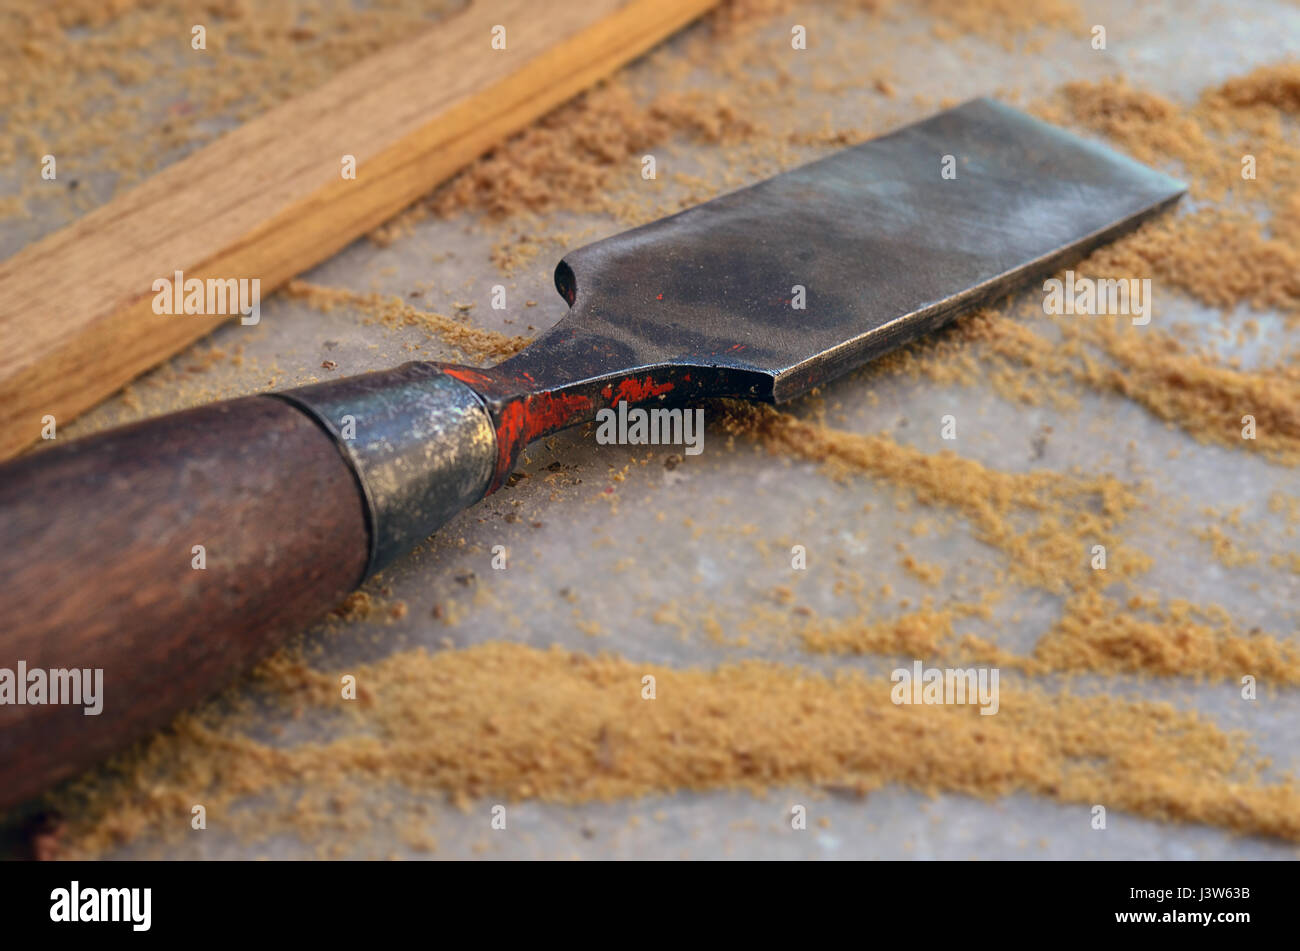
{"points": [[97, 568]]}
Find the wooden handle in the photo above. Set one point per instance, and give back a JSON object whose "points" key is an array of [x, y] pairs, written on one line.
{"points": [[168, 554]]}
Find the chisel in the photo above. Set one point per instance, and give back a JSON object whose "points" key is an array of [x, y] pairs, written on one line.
{"points": [[295, 498]]}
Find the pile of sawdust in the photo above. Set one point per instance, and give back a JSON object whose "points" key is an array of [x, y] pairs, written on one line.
{"points": [[516, 722], [1102, 635], [580, 157]]}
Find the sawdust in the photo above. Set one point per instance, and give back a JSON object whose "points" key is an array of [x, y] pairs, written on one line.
{"points": [[393, 312], [1213, 403], [1226, 551], [582, 157], [1102, 635], [1042, 521], [1203, 395], [1094, 634], [1043, 525], [512, 721], [586, 156], [1006, 21], [923, 633], [358, 606], [115, 91]]}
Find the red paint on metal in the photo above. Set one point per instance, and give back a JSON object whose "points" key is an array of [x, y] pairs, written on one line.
{"points": [[470, 376], [524, 418], [636, 391], [528, 418]]}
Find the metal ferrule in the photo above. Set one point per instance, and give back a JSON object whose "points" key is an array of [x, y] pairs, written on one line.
{"points": [[421, 444]]}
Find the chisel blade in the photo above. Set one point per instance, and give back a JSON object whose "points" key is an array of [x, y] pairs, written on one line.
{"points": [[772, 289]]}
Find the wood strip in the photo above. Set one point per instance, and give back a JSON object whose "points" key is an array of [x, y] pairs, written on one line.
{"points": [[267, 200]]}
